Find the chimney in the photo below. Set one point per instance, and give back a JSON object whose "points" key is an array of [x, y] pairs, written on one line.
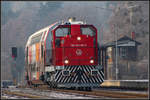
{"points": [[133, 35]]}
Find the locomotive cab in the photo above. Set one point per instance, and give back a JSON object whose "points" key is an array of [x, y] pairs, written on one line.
{"points": [[75, 45]]}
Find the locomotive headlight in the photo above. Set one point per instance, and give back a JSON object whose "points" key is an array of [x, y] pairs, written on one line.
{"points": [[66, 61], [78, 38], [91, 61]]}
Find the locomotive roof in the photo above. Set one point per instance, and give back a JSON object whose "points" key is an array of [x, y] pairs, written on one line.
{"points": [[39, 32], [46, 28]]}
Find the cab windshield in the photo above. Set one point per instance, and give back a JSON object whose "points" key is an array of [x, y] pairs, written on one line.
{"points": [[62, 31], [87, 30]]}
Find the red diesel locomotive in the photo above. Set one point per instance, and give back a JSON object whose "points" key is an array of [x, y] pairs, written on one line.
{"points": [[64, 55]]}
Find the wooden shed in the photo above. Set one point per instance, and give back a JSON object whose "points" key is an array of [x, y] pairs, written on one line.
{"points": [[127, 51]]}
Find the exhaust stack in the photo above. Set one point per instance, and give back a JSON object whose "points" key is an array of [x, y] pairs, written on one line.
{"points": [[133, 35], [71, 19]]}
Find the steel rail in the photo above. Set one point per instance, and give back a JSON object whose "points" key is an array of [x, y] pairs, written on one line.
{"points": [[99, 93], [111, 94], [121, 93], [22, 94], [102, 93]]}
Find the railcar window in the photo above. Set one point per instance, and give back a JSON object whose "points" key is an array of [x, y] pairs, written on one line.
{"points": [[87, 31], [60, 32], [27, 53], [42, 50]]}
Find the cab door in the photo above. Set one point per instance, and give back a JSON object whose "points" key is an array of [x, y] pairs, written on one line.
{"points": [[59, 35]]}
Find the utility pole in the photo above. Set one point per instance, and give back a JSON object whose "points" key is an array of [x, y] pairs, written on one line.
{"points": [[116, 53], [130, 8], [102, 33], [18, 77], [116, 45]]}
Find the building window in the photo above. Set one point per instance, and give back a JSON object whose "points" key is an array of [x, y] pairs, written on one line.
{"points": [[123, 52]]}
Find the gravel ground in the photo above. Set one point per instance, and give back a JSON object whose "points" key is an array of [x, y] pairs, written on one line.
{"points": [[46, 94], [123, 90]]}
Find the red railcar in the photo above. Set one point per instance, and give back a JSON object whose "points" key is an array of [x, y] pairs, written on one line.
{"points": [[64, 55]]}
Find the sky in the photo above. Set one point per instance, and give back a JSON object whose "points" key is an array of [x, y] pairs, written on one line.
{"points": [[68, 8]]}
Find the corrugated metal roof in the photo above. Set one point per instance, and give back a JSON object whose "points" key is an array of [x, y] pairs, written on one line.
{"points": [[122, 40]]}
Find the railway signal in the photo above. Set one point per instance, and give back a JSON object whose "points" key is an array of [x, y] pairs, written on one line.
{"points": [[14, 52]]}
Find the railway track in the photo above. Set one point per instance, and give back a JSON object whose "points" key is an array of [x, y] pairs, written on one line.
{"points": [[90, 94], [102, 93], [40, 94], [110, 94], [21, 94]]}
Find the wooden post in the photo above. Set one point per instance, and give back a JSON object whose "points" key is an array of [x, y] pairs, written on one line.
{"points": [[14, 80], [128, 66], [105, 70]]}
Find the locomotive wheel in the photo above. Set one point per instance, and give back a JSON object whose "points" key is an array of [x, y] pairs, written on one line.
{"points": [[50, 84], [73, 88], [82, 88], [54, 85], [88, 88], [35, 85], [79, 88]]}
